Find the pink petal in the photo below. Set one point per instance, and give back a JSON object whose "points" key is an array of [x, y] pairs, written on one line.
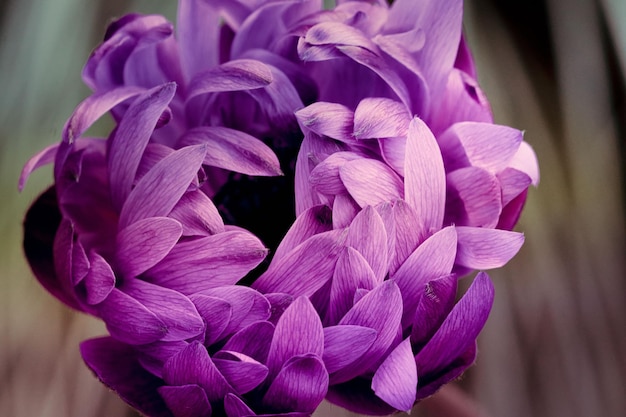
{"points": [[474, 198], [345, 210], [525, 160], [325, 176], [513, 183], [328, 119], [197, 32], [253, 341], [425, 179], [371, 182], [380, 118], [481, 248], [395, 381], [235, 407], [216, 314]]}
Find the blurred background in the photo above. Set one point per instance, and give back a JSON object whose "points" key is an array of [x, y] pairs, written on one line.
{"points": [[555, 344]]}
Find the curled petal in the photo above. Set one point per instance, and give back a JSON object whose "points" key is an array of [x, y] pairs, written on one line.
{"points": [[328, 119], [380, 118], [237, 75]]}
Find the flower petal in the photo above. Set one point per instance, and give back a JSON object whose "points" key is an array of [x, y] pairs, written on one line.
{"points": [[325, 176], [145, 243], [186, 400], [298, 332], [473, 198], [481, 248], [131, 138], [328, 119], [434, 305], [197, 214], [216, 314], [459, 330], [100, 279], [395, 381], [234, 150], [242, 372], [208, 262], [115, 364], [346, 343], [380, 118], [158, 191], [235, 407], [367, 235], [197, 32], [253, 341], [525, 160], [41, 158], [236, 75], [301, 385], [424, 177], [432, 259], [371, 182], [311, 222]]}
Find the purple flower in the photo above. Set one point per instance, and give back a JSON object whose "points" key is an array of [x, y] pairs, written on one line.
{"points": [[388, 182]]}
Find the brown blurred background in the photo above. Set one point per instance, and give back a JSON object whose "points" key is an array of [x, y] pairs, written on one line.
{"points": [[555, 344]]}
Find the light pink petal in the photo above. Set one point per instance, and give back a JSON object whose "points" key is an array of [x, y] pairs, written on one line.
{"points": [[145, 243], [525, 160], [156, 194], [380, 118], [336, 33], [480, 248], [344, 344], [424, 177], [328, 119], [395, 381], [131, 138], [234, 150], [432, 259], [313, 221], [473, 198], [306, 268], [298, 332], [371, 182], [208, 262], [367, 235]]}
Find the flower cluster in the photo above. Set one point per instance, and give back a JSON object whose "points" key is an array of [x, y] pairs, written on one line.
{"points": [[284, 207]]}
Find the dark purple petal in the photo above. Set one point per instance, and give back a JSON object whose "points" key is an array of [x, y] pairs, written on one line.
{"points": [[434, 305], [41, 158], [253, 341], [186, 400], [176, 311], [145, 243], [367, 235], [131, 138], [328, 119], [380, 118], [242, 372], [481, 248], [234, 150], [459, 330], [395, 381], [313, 221], [306, 268], [351, 273], [473, 198], [432, 259], [300, 385], [158, 191], [371, 182], [298, 332], [197, 214], [357, 396], [130, 321], [346, 343], [429, 384], [193, 365], [425, 179], [216, 314], [115, 364], [208, 262], [100, 279], [381, 310], [152, 356], [235, 407]]}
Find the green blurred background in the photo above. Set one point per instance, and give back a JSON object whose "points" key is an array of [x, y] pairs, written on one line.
{"points": [[555, 344]]}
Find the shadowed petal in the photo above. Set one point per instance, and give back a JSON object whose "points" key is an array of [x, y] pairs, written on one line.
{"points": [[156, 194], [346, 343], [429, 384], [197, 214], [208, 262], [425, 179], [186, 400], [216, 314], [234, 150], [235, 407], [371, 182], [313, 221], [130, 321], [432, 259], [193, 365], [325, 176], [481, 248], [145, 243], [298, 332], [513, 183], [473, 198], [380, 118], [434, 305], [253, 341], [459, 330], [300, 385], [176, 311], [115, 364], [131, 138], [100, 279], [236, 75], [395, 381]]}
